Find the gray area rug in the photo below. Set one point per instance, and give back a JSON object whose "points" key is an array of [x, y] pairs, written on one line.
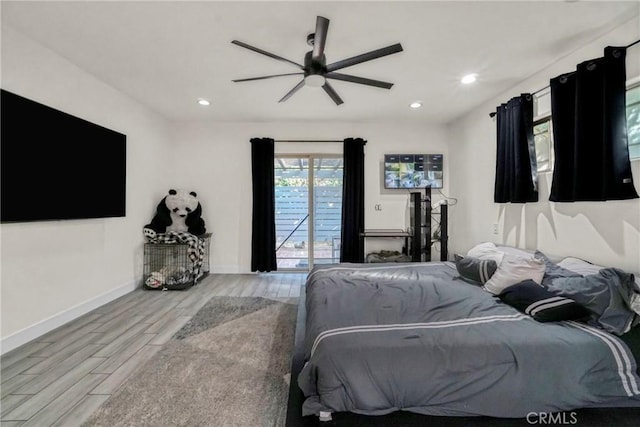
{"points": [[228, 366]]}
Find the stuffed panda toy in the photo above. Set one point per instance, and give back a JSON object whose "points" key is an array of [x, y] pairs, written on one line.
{"points": [[179, 211]]}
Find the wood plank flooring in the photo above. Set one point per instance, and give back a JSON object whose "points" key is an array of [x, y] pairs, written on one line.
{"points": [[62, 377]]}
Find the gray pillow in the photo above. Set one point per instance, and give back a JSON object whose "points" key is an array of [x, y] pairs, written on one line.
{"points": [[475, 269]]}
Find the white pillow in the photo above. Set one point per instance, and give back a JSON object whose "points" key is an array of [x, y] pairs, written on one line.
{"points": [[580, 266], [486, 251], [513, 270], [512, 250]]}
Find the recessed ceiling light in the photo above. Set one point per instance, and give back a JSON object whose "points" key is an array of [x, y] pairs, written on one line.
{"points": [[416, 104], [203, 101], [468, 79]]}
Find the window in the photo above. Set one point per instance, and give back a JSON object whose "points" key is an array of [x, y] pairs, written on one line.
{"points": [[542, 138], [308, 205], [633, 121], [542, 127]]}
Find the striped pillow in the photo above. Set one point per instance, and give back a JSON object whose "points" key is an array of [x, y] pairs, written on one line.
{"points": [[539, 303], [475, 269]]}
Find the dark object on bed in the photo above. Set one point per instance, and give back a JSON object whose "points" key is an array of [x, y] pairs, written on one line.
{"points": [[381, 339], [544, 306], [475, 269]]}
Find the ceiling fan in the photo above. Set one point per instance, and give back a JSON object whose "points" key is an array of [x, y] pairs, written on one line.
{"points": [[315, 69]]}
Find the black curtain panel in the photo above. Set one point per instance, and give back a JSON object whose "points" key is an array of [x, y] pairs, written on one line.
{"points": [[590, 132], [352, 245], [516, 169], [263, 237]]}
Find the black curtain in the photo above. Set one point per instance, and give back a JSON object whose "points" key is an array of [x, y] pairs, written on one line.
{"points": [[590, 132], [263, 237], [516, 169], [351, 243]]}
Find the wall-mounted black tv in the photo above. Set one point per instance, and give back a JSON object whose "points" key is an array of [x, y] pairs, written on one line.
{"points": [[413, 170], [55, 166]]}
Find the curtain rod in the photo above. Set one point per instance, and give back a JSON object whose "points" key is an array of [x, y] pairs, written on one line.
{"points": [[308, 140], [493, 113], [632, 44]]}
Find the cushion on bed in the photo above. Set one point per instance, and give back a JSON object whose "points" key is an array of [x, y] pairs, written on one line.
{"points": [[486, 251], [512, 270], [544, 306], [607, 295], [475, 269]]}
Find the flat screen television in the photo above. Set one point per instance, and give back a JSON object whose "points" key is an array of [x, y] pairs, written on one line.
{"points": [[413, 170], [55, 166]]}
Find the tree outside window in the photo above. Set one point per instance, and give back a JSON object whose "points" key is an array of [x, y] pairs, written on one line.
{"points": [[633, 121]]}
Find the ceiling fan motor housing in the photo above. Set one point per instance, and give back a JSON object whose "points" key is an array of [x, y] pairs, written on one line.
{"points": [[314, 67]]}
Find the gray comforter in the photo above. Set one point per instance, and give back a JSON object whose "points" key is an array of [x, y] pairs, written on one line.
{"points": [[413, 337]]}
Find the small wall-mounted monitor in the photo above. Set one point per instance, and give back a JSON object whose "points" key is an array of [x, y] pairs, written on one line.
{"points": [[413, 170]]}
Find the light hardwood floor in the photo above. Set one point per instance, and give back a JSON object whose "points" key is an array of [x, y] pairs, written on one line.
{"points": [[61, 378]]}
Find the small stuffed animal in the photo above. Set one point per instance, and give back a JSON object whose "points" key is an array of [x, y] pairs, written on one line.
{"points": [[178, 211]]}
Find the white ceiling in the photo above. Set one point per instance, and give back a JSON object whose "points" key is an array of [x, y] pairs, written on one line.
{"points": [[168, 54]]}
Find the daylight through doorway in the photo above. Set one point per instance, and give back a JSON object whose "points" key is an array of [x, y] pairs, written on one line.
{"points": [[308, 190]]}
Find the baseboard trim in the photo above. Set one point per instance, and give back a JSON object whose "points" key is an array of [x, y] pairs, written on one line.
{"points": [[224, 269], [32, 332]]}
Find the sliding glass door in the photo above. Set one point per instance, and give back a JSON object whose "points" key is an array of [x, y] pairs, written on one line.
{"points": [[308, 191]]}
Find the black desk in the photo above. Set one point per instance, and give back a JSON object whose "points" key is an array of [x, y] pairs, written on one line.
{"points": [[388, 233]]}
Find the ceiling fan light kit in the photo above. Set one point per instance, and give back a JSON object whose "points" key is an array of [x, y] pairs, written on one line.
{"points": [[315, 80], [315, 70]]}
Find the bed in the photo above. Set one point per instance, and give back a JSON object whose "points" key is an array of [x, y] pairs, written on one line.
{"points": [[418, 337]]}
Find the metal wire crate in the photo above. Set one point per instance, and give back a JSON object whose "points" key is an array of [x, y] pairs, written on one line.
{"points": [[168, 266], [206, 269]]}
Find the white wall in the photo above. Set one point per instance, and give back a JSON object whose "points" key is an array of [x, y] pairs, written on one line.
{"points": [[221, 158], [606, 233], [54, 271]]}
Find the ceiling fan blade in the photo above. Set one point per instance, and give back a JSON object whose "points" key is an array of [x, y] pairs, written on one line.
{"points": [[360, 80], [292, 91], [320, 37], [264, 52], [266, 77], [365, 57], [332, 93]]}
